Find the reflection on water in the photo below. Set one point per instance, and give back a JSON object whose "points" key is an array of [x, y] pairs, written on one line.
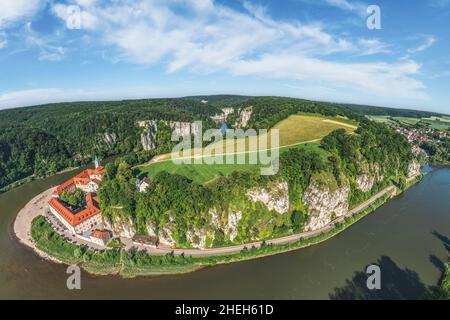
{"points": [[405, 236]]}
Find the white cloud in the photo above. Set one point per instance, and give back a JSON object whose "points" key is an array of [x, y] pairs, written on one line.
{"points": [[353, 6], [37, 96], [3, 40], [14, 10], [374, 78], [49, 50], [203, 36], [372, 46], [87, 20], [429, 41]]}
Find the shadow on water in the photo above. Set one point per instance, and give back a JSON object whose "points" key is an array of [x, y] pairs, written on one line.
{"points": [[396, 283], [435, 260], [445, 241]]}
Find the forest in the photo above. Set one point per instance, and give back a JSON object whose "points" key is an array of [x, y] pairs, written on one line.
{"points": [[41, 140], [175, 202]]}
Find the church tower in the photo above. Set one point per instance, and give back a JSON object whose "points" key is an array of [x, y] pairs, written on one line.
{"points": [[96, 162]]}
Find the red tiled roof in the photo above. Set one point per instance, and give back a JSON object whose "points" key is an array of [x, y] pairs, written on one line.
{"points": [[75, 219], [91, 200], [81, 178], [101, 234]]}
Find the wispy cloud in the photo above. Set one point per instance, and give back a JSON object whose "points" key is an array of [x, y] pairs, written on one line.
{"points": [[3, 40], [429, 41], [439, 3], [209, 37], [49, 49], [14, 10]]}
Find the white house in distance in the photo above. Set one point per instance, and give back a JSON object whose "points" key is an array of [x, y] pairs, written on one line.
{"points": [[144, 184]]}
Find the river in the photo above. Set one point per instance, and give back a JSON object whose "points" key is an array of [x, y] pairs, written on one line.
{"points": [[406, 237]]}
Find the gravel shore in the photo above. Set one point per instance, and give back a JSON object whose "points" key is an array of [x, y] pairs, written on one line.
{"points": [[22, 224]]}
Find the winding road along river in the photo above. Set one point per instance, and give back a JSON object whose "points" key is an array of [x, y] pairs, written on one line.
{"points": [[406, 237]]}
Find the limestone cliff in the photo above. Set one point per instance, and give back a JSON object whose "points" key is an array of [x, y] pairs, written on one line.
{"points": [[244, 117], [150, 129], [233, 222], [109, 138], [413, 169], [365, 182], [274, 197], [324, 200], [120, 227]]}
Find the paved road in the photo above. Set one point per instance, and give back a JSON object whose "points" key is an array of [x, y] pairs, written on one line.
{"points": [[282, 240]]}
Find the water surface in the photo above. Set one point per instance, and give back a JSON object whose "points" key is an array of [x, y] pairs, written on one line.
{"points": [[405, 236]]}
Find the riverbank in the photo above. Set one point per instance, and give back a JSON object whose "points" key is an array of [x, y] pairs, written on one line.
{"points": [[31, 178], [22, 223], [47, 244]]}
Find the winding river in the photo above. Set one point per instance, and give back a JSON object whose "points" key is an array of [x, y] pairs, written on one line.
{"points": [[406, 237]]}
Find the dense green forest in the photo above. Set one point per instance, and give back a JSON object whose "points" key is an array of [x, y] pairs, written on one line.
{"points": [[42, 140], [384, 111], [174, 201]]}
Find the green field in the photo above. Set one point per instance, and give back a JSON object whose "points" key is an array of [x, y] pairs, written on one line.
{"points": [[203, 173], [297, 131], [437, 123]]}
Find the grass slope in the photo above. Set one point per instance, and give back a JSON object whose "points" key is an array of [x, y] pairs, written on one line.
{"points": [[297, 131]]}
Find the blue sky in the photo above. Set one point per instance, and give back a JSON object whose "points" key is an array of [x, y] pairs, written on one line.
{"points": [[314, 49]]}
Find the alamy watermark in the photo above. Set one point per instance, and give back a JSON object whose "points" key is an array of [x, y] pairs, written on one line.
{"points": [[73, 17], [374, 279], [373, 21], [74, 280], [230, 146]]}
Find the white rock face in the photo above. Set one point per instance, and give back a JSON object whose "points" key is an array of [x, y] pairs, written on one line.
{"points": [[109, 138], [148, 137], [197, 238], [165, 236], [413, 169], [219, 118], [151, 229], [322, 203], [233, 222], [215, 218], [244, 117], [376, 169], [364, 182], [276, 197], [120, 227]]}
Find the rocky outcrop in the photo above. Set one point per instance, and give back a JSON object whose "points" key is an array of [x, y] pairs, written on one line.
{"points": [[220, 118], [244, 117], [120, 227], [275, 197], [150, 129], [166, 235], [413, 169], [197, 238], [148, 135], [109, 138], [232, 226], [325, 201], [365, 182], [151, 229], [184, 128], [376, 170]]}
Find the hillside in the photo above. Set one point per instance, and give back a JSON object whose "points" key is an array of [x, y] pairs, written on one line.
{"points": [[42, 140], [299, 131]]}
